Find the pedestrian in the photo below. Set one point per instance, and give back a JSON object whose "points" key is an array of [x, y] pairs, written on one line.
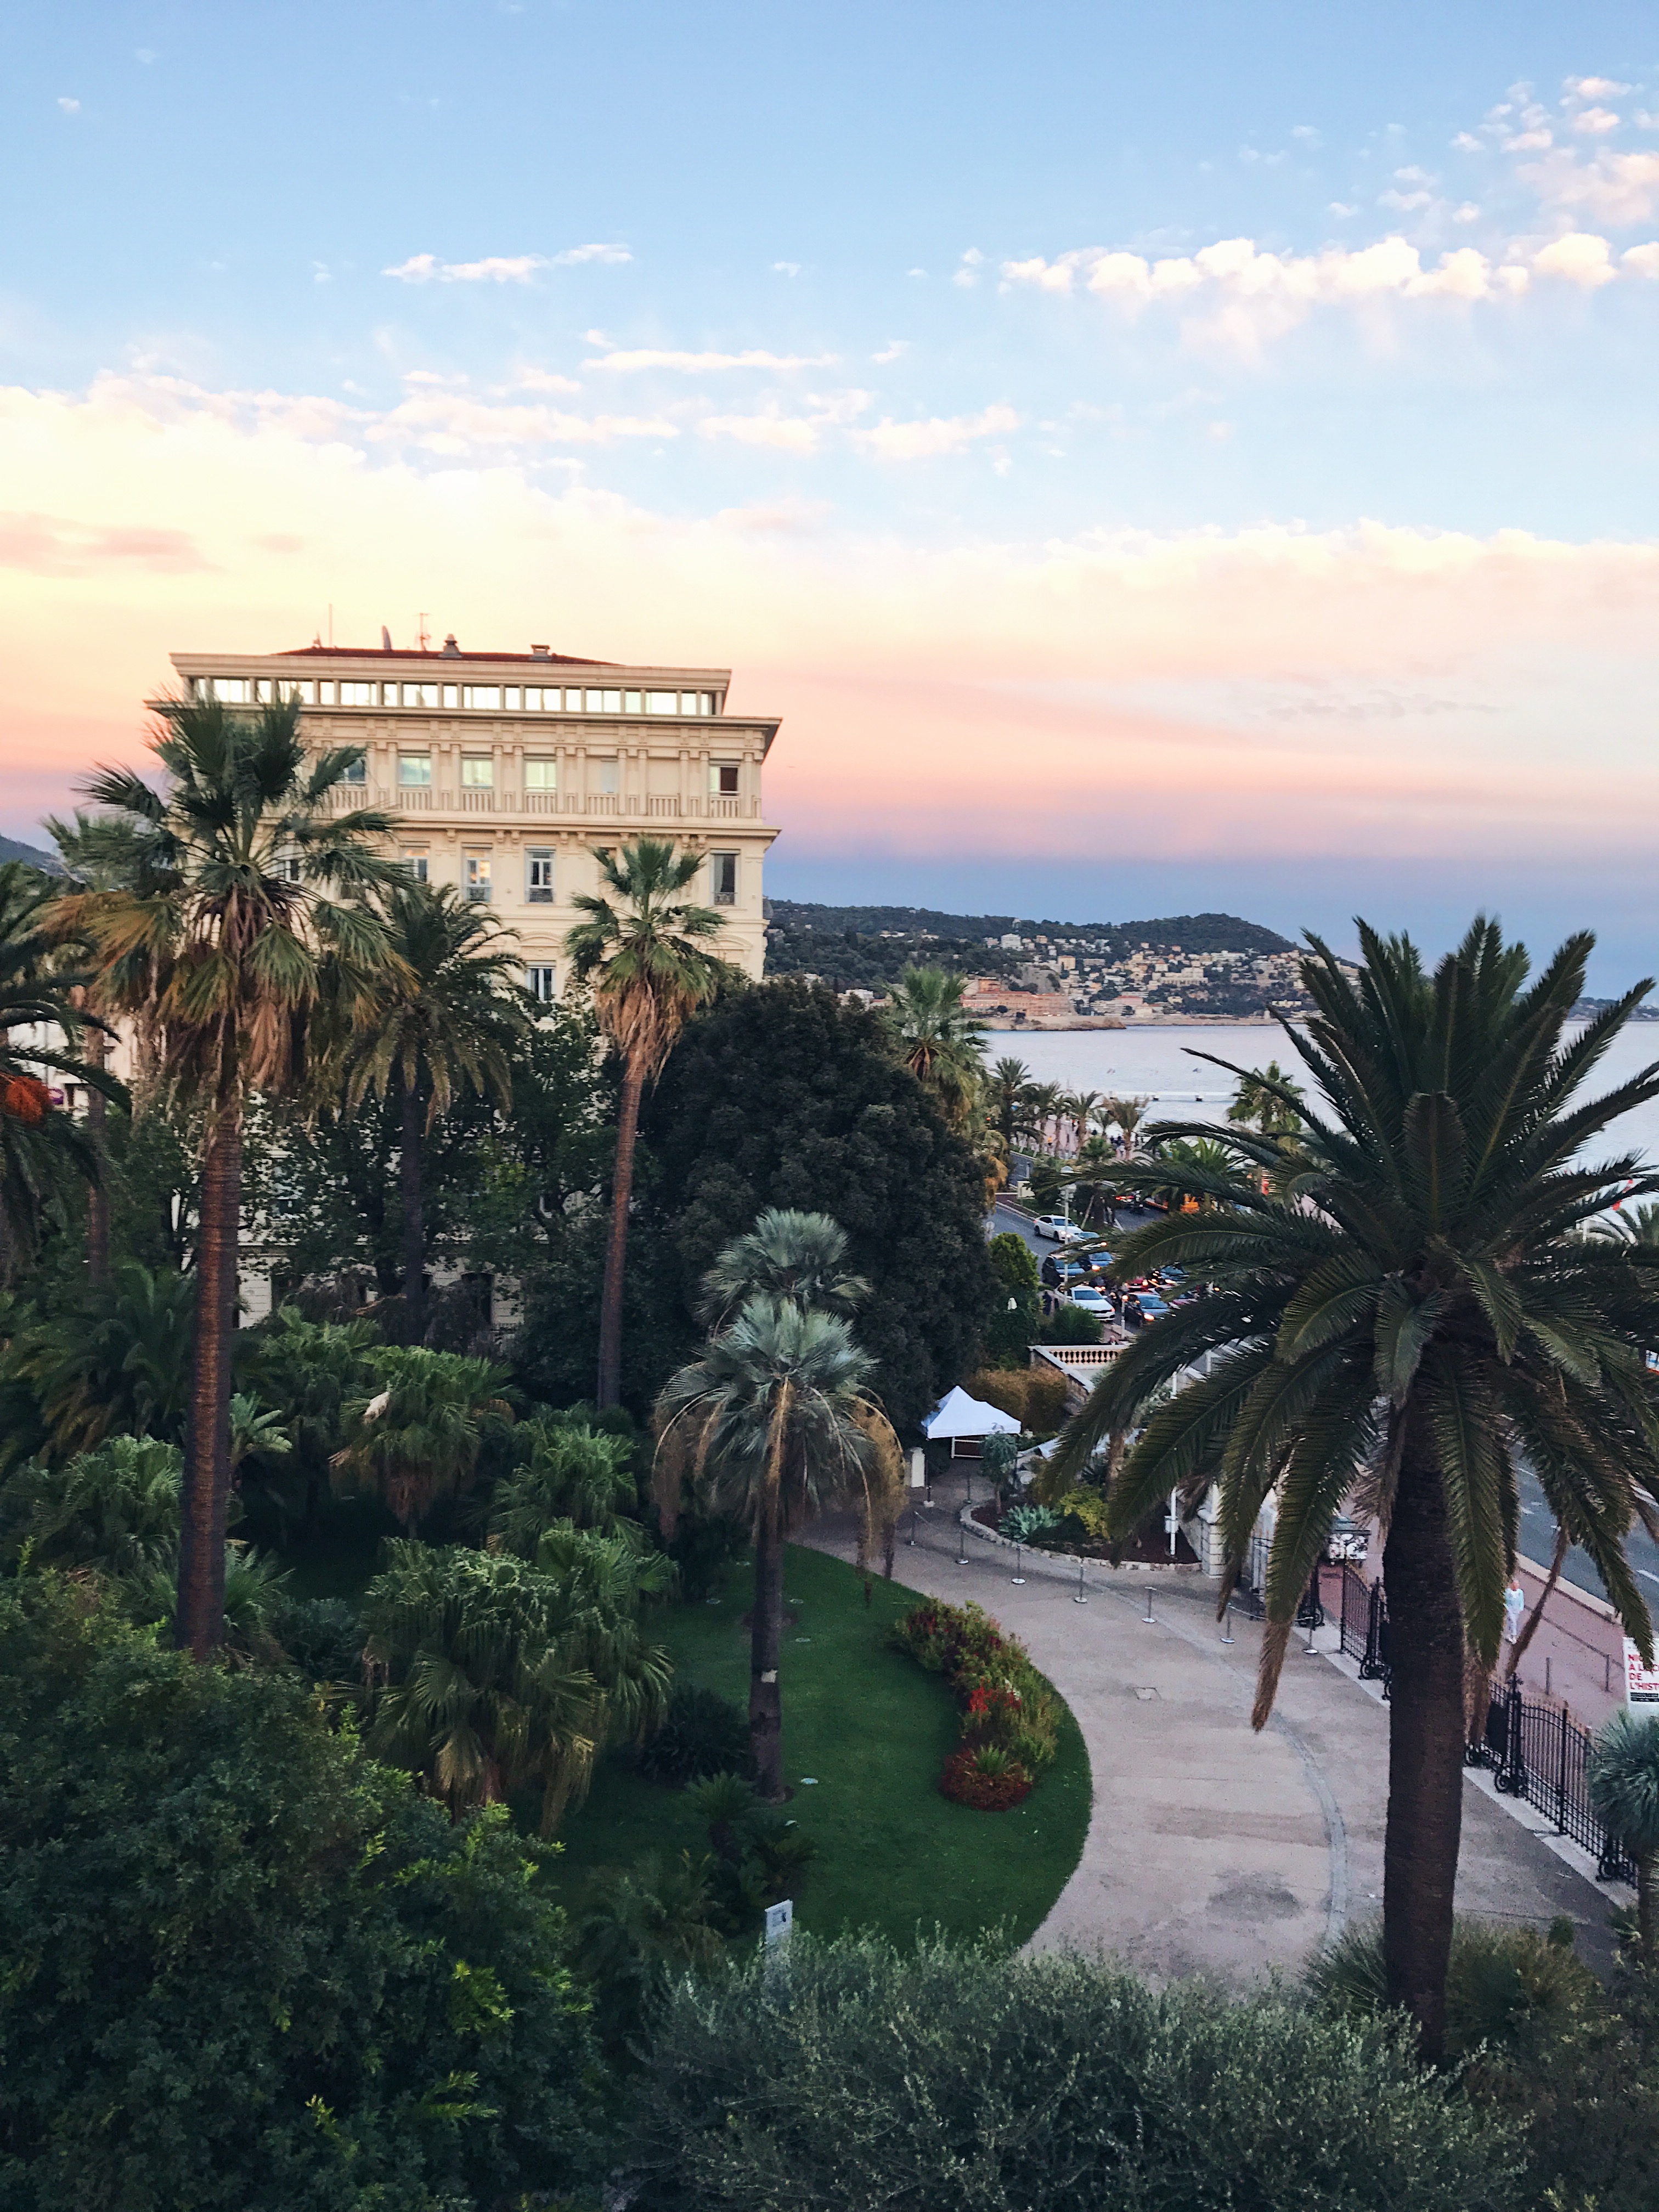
{"points": [[1515, 1604]]}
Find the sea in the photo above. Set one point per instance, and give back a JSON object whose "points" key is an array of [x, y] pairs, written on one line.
{"points": [[1158, 1063]]}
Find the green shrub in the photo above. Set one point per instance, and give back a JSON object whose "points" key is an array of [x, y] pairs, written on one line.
{"points": [[1003, 1698], [964, 2082], [703, 1733], [1030, 1524], [247, 1970]]}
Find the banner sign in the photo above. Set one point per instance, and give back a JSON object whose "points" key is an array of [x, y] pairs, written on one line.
{"points": [[1641, 1683]]}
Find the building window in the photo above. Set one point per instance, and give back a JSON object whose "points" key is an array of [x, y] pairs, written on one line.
{"points": [[691, 703], [415, 771], [538, 982], [662, 702], [541, 775], [513, 695], [232, 690], [305, 693], [482, 694], [723, 878], [723, 779], [477, 772], [356, 695], [633, 702], [533, 698], [287, 868], [264, 691], [538, 876], [325, 694], [451, 695], [610, 782], [605, 703], [476, 879], [420, 695], [414, 862], [355, 771]]}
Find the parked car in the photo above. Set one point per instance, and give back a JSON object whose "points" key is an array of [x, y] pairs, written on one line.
{"points": [[1056, 1273], [1092, 1301], [1052, 1225], [1143, 1306]]}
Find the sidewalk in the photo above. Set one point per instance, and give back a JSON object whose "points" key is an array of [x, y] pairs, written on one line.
{"points": [[1213, 1849]]}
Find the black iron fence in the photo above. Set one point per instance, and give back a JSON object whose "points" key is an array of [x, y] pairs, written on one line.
{"points": [[1363, 1614], [1249, 1589]]}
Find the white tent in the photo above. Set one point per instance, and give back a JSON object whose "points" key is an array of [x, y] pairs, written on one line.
{"points": [[959, 1415]]}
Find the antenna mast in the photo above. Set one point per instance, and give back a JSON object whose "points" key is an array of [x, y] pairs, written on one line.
{"points": [[425, 635]]}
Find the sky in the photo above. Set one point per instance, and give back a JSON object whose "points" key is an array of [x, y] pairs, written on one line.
{"points": [[1153, 459]]}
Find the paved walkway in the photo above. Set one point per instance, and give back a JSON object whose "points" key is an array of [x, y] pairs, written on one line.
{"points": [[1213, 1849]]}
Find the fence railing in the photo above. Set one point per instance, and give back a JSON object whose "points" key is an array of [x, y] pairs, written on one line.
{"points": [[1541, 1754]]}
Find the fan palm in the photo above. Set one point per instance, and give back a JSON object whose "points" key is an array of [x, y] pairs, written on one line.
{"points": [[419, 1437], [786, 1254], [938, 1037], [567, 1472], [774, 1424], [1623, 1774], [1420, 1311], [43, 1151], [223, 934], [446, 1018], [648, 960], [117, 1362], [114, 1509]]}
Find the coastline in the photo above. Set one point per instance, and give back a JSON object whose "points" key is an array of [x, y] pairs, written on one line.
{"points": [[1130, 1028]]}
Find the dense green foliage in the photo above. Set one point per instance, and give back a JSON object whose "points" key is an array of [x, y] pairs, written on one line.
{"points": [[781, 1097], [857, 2077], [246, 1970]]}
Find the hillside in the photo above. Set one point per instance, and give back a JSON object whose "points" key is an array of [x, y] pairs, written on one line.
{"points": [[10, 849], [869, 946]]}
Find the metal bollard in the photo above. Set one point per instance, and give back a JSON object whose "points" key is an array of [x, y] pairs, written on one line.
{"points": [[911, 1538], [1079, 1597], [1227, 1623], [1149, 1604], [1019, 1561], [962, 1543]]}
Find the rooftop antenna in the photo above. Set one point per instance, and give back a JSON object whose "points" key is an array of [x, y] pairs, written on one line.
{"points": [[425, 634], [385, 639]]}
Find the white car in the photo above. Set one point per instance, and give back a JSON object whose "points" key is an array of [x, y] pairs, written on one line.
{"points": [[1092, 1300], [1057, 1226]]}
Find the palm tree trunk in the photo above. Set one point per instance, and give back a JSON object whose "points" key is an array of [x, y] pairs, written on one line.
{"points": [[765, 1699], [200, 1628], [1425, 1748], [615, 1257], [97, 1191], [414, 1224]]}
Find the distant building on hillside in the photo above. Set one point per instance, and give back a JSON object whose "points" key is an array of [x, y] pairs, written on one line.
{"points": [[504, 770]]}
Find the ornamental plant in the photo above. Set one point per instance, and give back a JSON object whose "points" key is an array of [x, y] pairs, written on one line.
{"points": [[1004, 1700]]}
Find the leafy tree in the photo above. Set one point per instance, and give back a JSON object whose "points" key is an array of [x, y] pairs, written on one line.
{"points": [[565, 1470], [248, 1970], [44, 1153], [639, 1929], [1623, 1787], [447, 1016], [1421, 1311], [114, 1508], [418, 1436], [649, 966], [938, 1037], [309, 1370], [116, 1360], [774, 1424], [501, 1675], [994, 2083], [224, 936], [1017, 1312], [781, 1097]]}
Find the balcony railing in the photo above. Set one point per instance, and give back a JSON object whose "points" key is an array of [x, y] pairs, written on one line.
{"points": [[572, 805]]}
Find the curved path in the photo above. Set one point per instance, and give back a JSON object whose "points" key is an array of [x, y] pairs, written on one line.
{"points": [[1212, 1850]]}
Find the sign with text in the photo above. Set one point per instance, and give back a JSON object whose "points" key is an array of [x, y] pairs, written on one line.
{"points": [[779, 1919], [1641, 1682]]}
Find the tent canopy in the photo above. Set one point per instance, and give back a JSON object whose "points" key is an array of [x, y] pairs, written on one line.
{"points": [[959, 1415]]}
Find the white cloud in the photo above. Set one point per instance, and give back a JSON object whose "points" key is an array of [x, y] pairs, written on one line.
{"points": [[1403, 203], [1529, 142], [1613, 188], [456, 426], [1465, 143], [1341, 211], [145, 54], [968, 270], [1580, 258], [499, 268], [889, 440], [695, 364], [69, 106], [541, 379], [786, 268], [1596, 122], [1641, 260], [1593, 87], [788, 433], [892, 351], [1305, 133]]}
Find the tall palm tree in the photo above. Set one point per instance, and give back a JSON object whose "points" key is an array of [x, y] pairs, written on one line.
{"points": [[776, 1424], [224, 932], [786, 1254], [1041, 1105], [1623, 1788], [938, 1038], [1267, 1101], [1413, 1317], [446, 1018], [1009, 1080], [1129, 1112], [1080, 1108], [648, 960], [42, 1149]]}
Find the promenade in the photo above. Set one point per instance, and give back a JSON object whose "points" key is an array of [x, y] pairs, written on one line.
{"points": [[1213, 1849]]}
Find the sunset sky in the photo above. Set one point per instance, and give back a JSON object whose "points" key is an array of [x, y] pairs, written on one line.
{"points": [[1152, 458]]}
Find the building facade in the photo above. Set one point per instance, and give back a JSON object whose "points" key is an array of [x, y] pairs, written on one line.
{"points": [[505, 770]]}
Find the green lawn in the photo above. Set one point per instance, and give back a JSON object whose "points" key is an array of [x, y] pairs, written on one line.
{"points": [[873, 1729]]}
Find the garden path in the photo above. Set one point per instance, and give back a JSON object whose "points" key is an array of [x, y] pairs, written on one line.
{"points": [[1212, 1850]]}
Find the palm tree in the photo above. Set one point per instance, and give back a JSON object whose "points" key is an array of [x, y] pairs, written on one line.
{"points": [[1419, 1311], [419, 1437], [1041, 1106], [446, 1017], [1078, 1108], [1009, 1080], [1207, 1155], [114, 1509], [115, 1363], [1096, 1183], [1268, 1102], [938, 1038], [224, 933], [1129, 1113], [776, 1424], [567, 1472], [42, 1149], [786, 1254], [648, 960], [1623, 1774], [1637, 1226]]}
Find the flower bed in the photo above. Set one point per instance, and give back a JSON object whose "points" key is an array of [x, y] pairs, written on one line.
{"points": [[1010, 1715], [967, 1783]]}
